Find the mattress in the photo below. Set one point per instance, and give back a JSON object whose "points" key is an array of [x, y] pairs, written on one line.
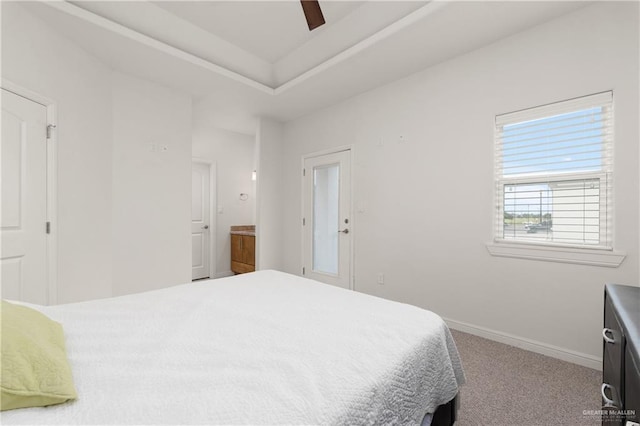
{"points": [[259, 348]]}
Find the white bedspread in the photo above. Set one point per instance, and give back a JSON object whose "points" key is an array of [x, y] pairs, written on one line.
{"points": [[261, 348]]}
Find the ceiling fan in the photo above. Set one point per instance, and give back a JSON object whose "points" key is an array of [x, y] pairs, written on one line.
{"points": [[313, 13]]}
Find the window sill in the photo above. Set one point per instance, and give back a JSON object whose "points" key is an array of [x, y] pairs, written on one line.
{"points": [[594, 257]]}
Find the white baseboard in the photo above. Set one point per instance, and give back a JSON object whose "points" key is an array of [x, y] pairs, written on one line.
{"points": [[223, 274], [528, 344]]}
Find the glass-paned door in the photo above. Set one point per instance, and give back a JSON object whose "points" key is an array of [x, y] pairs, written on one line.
{"points": [[327, 218]]}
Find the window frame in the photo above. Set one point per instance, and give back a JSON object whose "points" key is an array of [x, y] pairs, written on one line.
{"points": [[601, 254]]}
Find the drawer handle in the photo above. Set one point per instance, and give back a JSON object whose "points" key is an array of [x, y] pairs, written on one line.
{"points": [[605, 332], [608, 403]]}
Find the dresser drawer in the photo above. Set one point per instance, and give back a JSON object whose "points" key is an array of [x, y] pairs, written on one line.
{"points": [[632, 387], [611, 385], [613, 357], [620, 355], [612, 337]]}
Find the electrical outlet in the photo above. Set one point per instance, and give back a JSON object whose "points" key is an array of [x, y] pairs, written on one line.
{"points": [[380, 278]]}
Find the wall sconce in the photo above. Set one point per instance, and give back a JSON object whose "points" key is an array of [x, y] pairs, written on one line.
{"points": [[253, 175]]}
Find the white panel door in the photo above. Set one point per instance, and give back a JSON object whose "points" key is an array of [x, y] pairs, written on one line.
{"points": [[200, 218], [24, 200], [327, 236]]}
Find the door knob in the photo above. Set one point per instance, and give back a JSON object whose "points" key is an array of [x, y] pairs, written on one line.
{"points": [[345, 231], [205, 227]]}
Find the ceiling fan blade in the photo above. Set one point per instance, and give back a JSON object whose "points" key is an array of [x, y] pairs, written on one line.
{"points": [[313, 13]]}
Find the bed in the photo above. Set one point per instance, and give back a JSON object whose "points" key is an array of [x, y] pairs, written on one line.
{"points": [[259, 348]]}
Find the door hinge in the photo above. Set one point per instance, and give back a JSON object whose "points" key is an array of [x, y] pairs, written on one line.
{"points": [[303, 270], [304, 172], [50, 128], [304, 222], [48, 227]]}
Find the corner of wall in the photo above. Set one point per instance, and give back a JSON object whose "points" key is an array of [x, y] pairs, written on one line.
{"points": [[269, 194]]}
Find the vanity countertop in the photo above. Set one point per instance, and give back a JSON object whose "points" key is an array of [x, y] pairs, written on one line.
{"points": [[251, 233], [249, 230]]}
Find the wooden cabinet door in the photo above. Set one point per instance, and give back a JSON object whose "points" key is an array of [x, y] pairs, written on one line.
{"points": [[243, 253], [249, 249], [236, 248]]}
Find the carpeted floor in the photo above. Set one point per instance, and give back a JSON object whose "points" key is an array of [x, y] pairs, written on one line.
{"points": [[510, 386]]}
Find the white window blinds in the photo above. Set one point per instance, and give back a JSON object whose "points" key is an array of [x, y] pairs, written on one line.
{"points": [[553, 173]]}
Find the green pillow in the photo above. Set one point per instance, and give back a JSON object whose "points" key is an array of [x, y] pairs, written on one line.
{"points": [[35, 369]]}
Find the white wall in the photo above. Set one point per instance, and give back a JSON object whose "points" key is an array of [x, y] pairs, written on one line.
{"points": [[233, 154], [123, 211], [425, 204], [270, 229], [38, 59], [151, 186]]}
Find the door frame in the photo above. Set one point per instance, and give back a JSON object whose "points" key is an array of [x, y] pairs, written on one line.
{"points": [[52, 183], [352, 221], [213, 209]]}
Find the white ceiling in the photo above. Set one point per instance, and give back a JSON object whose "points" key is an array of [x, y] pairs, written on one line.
{"points": [[268, 29], [246, 59]]}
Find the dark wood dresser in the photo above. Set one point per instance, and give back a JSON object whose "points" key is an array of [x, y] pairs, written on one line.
{"points": [[621, 356]]}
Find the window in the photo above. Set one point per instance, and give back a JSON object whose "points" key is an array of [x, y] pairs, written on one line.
{"points": [[553, 174]]}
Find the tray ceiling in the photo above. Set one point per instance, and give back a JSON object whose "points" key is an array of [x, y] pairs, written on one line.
{"points": [[257, 58]]}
